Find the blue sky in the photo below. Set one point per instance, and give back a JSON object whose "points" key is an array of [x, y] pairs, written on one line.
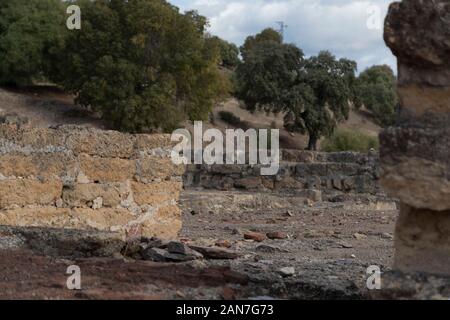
{"points": [[340, 26]]}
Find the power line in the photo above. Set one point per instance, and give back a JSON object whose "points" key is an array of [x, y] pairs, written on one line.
{"points": [[283, 27]]}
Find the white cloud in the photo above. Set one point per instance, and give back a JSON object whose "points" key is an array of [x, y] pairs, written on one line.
{"points": [[336, 25]]}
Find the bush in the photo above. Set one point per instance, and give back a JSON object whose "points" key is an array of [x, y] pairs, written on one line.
{"points": [[346, 140]]}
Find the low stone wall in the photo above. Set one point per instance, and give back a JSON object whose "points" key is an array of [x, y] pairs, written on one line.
{"points": [[77, 178], [333, 174]]}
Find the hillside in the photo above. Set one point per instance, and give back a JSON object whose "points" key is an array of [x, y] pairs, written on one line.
{"points": [[48, 106]]}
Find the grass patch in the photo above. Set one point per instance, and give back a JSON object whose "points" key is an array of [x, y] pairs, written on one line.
{"points": [[347, 140]]}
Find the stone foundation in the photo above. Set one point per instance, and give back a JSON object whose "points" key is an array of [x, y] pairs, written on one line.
{"points": [[77, 178]]}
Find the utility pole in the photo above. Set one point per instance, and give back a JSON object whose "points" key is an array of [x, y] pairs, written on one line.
{"points": [[283, 27]]}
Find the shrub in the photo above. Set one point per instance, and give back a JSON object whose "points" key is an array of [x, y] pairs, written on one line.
{"points": [[346, 140]]}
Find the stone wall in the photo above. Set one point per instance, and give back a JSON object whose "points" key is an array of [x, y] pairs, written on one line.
{"points": [[333, 174], [415, 154], [77, 178]]}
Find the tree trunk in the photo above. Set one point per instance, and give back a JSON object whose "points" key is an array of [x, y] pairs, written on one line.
{"points": [[312, 144]]}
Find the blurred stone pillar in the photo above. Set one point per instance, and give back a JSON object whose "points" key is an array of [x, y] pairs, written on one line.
{"points": [[415, 154]]}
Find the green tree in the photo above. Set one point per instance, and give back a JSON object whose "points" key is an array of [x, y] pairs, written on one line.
{"points": [[229, 52], [332, 85], [267, 35], [141, 63], [377, 91], [314, 94], [31, 31]]}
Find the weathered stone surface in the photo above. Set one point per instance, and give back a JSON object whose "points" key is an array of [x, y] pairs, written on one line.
{"points": [[155, 167], [155, 194], [298, 156], [44, 165], [215, 253], [255, 236], [277, 235], [250, 183], [165, 223], [149, 142], [99, 142], [22, 192], [87, 179], [406, 286], [81, 194], [66, 242], [415, 156], [79, 218], [107, 169], [351, 172], [419, 183], [421, 99], [418, 33], [423, 241]]}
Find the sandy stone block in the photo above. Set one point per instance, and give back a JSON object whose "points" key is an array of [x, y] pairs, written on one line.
{"points": [[104, 219], [422, 241], [45, 165], [153, 167], [81, 194], [107, 144], [39, 138], [36, 217], [418, 182], [22, 192], [421, 99], [156, 193], [107, 169], [78, 219], [145, 142], [288, 183], [165, 224]]}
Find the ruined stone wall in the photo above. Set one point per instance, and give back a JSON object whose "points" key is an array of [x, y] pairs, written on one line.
{"points": [[415, 154], [333, 174], [77, 178]]}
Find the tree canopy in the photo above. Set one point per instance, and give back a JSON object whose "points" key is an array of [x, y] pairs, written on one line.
{"points": [[229, 52], [377, 90], [30, 33], [141, 63], [314, 94]]}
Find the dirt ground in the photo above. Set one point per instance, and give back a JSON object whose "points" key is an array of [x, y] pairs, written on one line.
{"points": [[328, 246], [329, 249], [45, 107]]}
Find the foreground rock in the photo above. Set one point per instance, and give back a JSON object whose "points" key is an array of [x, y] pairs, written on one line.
{"points": [[415, 155], [61, 242]]}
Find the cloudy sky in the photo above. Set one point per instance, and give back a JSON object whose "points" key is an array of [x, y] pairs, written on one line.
{"points": [[348, 28]]}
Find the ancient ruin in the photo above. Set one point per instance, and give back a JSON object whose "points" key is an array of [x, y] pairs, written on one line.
{"points": [[89, 179], [415, 155]]}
